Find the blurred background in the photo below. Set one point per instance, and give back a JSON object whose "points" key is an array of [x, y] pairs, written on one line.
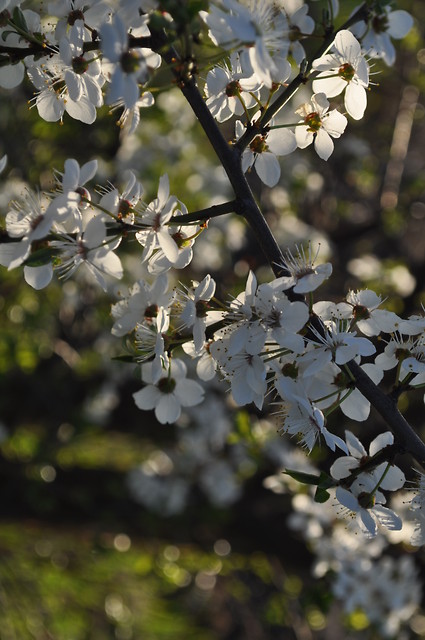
{"points": [[113, 526]]}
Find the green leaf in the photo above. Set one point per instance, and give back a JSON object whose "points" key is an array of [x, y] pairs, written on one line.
{"points": [[321, 495], [305, 478], [18, 19], [123, 358]]}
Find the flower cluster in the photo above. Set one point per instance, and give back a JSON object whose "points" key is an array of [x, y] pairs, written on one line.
{"points": [[273, 345]]}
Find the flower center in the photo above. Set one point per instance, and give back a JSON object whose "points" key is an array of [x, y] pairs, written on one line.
{"points": [[360, 312], [180, 240], [79, 65], [151, 311], [290, 370], [75, 15], [124, 208], [201, 307], [366, 500], [347, 72], [258, 145], [380, 23], [167, 385], [313, 122], [130, 61], [233, 89]]}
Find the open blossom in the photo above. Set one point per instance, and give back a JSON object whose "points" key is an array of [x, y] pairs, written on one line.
{"points": [[157, 234], [366, 505], [383, 24], [128, 66], [194, 314], [369, 319], [302, 417], [391, 478], [305, 275], [263, 151], [122, 204], [170, 393], [226, 87], [258, 26], [91, 248], [142, 304], [336, 345], [344, 68], [319, 125]]}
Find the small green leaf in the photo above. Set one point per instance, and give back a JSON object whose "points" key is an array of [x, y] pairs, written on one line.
{"points": [[321, 495], [305, 478], [18, 19]]}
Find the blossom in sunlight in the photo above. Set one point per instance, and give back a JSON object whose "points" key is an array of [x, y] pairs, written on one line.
{"points": [[157, 234], [258, 26], [28, 220], [263, 150], [170, 393], [194, 305], [345, 68], [319, 125], [305, 275], [142, 304], [302, 417], [391, 478], [228, 89], [92, 13], [376, 34], [128, 66], [92, 248], [336, 345], [300, 25], [129, 120], [364, 504], [122, 204], [369, 319], [70, 82]]}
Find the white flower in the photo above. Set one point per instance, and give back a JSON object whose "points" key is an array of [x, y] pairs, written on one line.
{"points": [[302, 418], [226, 87], [390, 479], [158, 234], [336, 345], [68, 82], [305, 276], [260, 26], [143, 304], [194, 314], [262, 151], [320, 125], [130, 118], [364, 503], [376, 34], [128, 66], [300, 25], [92, 248], [369, 319], [344, 68], [122, 204], [91, 12], [170, 393], [82, 72], [30, 219]]}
